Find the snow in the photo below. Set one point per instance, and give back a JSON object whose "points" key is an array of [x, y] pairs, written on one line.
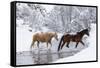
{"points": [[87, 54], [24, 38], [19, 22], [55, 19], [48, 9]]}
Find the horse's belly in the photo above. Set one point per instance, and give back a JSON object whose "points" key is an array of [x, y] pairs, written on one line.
{"points": [[42, 40], [75, 40]]}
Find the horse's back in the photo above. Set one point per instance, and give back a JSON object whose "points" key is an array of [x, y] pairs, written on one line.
{"points": [[42, 37]]}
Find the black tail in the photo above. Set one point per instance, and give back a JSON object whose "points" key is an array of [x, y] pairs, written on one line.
{"points": [[60, 43]]}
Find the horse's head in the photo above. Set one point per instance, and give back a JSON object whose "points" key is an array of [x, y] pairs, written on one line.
{"points": [[86, 31], [56, 36]]}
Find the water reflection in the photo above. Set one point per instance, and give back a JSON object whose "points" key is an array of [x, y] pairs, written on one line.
{"points": [[41, 56], [47, 56]]}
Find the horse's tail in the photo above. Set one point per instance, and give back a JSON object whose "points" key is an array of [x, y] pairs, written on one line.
{"points": [[60, 43], [31, 45]]}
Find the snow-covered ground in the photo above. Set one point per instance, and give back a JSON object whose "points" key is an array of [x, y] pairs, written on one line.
{"points": [[87, 54], [23, 39]]}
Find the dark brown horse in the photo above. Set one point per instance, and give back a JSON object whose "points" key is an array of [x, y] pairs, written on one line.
{"points": [[43, 37], [74, 38]]}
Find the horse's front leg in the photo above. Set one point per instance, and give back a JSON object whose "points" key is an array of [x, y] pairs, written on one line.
{"points": [[67, 44], [76, 44], [47, 44], [50, 43], [82, 42], [38, 44]]}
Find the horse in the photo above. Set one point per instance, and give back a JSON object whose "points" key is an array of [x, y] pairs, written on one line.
{"points": [[74, 38], [43, 37]]}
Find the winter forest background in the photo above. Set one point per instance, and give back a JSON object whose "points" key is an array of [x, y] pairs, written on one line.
{"points": [[33, 18], [55, 17]]}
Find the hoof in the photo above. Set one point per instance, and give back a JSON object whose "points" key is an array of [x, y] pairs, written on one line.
{"points": [[67, 46]]}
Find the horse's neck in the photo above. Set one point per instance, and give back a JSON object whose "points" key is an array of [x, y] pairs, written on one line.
{"points": [[51, 36], [81, 34]]}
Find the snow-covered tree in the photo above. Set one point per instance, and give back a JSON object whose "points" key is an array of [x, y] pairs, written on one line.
{"points": [[63, 19]]}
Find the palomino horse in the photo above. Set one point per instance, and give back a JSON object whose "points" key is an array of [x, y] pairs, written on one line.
{"points": [[75, 38], [44, 37]]}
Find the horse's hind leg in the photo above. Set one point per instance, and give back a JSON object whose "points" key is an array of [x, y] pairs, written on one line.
{"points": [[32, 44], [62, 45], [76, 44]]}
